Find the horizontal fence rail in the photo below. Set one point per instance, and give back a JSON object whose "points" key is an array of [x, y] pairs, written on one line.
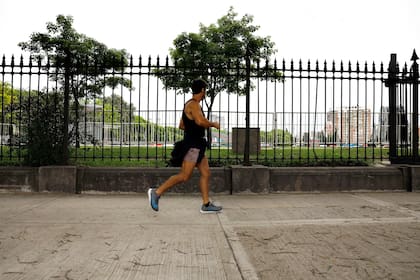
{"points": [[317, 112]]}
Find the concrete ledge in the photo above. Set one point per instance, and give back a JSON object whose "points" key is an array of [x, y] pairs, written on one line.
{"points": [[415, 178], [255, 178], [140, 179], [19, 178], [57, 179], [336, 179], [234, 179]]}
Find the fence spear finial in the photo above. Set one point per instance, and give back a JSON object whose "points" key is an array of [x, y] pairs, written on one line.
{"points": [[414, 57]]}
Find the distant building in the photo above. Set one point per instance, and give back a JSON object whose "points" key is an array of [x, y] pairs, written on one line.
{"points": [[382, 129], [351, 125], [402, 126]]}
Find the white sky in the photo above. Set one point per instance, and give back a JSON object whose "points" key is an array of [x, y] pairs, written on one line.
{"points": [[364, 30]]}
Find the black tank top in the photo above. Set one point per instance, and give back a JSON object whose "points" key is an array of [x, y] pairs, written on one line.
{"points": [[192, 130]]}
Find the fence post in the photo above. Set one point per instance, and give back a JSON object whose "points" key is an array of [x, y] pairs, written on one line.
{"points": [[65, 142], [247, 114], [392, 88], [415, 80]]}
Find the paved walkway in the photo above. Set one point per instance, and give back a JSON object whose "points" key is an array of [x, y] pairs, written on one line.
{"points": [[276, 236]]}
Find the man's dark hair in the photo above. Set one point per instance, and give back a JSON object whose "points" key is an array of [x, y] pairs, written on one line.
{"points": [[198, 85]]}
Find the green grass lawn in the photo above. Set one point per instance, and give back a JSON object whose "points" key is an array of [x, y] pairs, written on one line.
{"points": [[158, 156]]}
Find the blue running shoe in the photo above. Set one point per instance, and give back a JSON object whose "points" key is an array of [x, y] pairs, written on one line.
{"points": [[211, 208], [153, 199]]}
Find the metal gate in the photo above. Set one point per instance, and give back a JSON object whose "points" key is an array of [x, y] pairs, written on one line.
{"points": [[403, 111]]}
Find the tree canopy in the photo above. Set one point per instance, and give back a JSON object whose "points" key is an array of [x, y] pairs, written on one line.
{"points": [[79, 55], [9, 98], [83, 67], [218, 53]]}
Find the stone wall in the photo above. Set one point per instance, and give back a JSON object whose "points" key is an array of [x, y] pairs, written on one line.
{"points": [[233, 179]]}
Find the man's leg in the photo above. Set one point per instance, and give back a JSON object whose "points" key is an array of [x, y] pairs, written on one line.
{"points": [[204, 169], [190, 161], [208, 206], [183, 176]]}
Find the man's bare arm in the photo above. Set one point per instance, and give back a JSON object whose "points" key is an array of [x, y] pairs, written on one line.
{"points": [[199, 117]]}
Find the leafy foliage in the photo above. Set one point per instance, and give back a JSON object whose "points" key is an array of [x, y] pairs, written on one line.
{"points": [[9, 102], [83, 67], [277, 136], [218, 54], [41, 128], [77, 55]]}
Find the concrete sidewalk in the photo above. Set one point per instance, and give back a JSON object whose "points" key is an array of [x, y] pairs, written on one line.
{"points": [[277, 236]]}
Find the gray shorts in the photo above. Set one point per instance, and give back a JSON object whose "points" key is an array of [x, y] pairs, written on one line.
{"points": [[192, 155]]}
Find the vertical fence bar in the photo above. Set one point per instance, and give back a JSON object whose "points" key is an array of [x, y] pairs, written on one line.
{"points": [[229, 143], [95, 136], [74, 88], [219, 132], [341, 108], [283, 111], [132, 127], [406, 109], [357, 108], [333, 138], [349, 113], [67, 77], [28, 111], [38, 95], [365, 125], [266, 112], [392, 88], [157, 127], [11, 105], [113, 73], [122, 130], [324, 138], [258, 111], [275, 139], [175, 111], [103, 117], [373, 110], [316, 100], [148, 127], [292, 110], [309, 108], [86, 137], [315, 114], [300, 113], [139, 107], [19, 119], [415, 82], [247, 105], [166, 130], [382, 133], [3, 93], [238, 75]]}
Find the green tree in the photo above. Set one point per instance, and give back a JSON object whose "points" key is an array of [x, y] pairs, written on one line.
{"points": [[83, 67], [110, 109], [86, 60], [40, 126], [9, 100], [277, 137], [218, 54]]}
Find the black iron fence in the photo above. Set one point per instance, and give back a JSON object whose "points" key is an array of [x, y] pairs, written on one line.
{"points": [[404, 112], [318, 111]]}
